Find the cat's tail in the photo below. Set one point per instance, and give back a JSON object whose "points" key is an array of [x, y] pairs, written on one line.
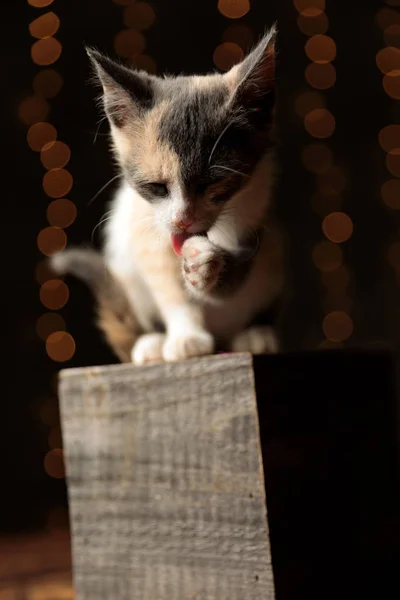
{"points": [[115, 317]]}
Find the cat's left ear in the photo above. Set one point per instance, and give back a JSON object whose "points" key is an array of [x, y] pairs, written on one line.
{"points": [[253, 80]]}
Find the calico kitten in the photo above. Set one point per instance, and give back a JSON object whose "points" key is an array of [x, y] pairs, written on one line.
{"points": [[192, 252]]}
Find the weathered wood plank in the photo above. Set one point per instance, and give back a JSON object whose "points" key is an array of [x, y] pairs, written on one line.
{"points": [[165, 481]]}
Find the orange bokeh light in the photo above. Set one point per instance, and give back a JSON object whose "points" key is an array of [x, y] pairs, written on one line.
{"points": [[388, 59], [54, 463], [337, 326], [48, 83], [312, 24], [320, 123], [139, 15], [55, 155], [311, 7], [39, 3], [51, 240], [46, 52], [239, 34], [333, 181], [54, 294], [321, 49], [55, 438], [327, 256], [337, 280], [391, 84], [308, 101], [33, 109], [57, 183], [387, 17], [41, 134], [227, 55], [337, 227], [44, 26], [326, 202], [61, 213], [317, 158], [392, 35], [390, 192], [233, 9], [145, 63], [389, 137], [60, 346], [321, 76], [49, 323], [128, 43], [43, 271], [393, 162]]}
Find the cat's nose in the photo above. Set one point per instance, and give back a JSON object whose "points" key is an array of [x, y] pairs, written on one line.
{"points": [[182, 222]]}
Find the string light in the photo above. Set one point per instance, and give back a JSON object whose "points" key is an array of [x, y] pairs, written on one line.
{"points": [[330, 180], [130, 43]]}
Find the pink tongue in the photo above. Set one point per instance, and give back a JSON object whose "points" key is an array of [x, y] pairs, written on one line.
{"points": [[177, 240]]}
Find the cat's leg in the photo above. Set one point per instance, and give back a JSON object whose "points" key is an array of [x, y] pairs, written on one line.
{"points": [[148, 348], [257, 340], [202, 265]]}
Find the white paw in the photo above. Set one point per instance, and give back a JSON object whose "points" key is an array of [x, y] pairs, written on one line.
{"points": [[187, 345], [201, 264], [148, 348], [257, 340]]}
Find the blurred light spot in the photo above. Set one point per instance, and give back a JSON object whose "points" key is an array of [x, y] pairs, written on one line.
{"points": [[393, 162], [55, 438], [390, 192], [55, 155], [389, 137], [44, 26], [312, 24], [61, 213], [54, 294], [310, 7], [321, 49], [337, 280], [48, 83], [145, 63], [391, 84], [57, 183], [46, 52], [337, 301], [317, 158], [54, 463], [329, 345], [39, 3], [43, 271], [333, 181], [239, 34], [392, 35], [33, 109], [327, 256], [58, 519], [49, 323], [227, 55], [388, 59], [308, 101], [326, 202], [49, 413], [337, 326], [41, 134], [60, 346], [128, 43], [139, 15], [233, 9], [51, 240], [320, 123], [321, 76], [338, 227], [387, 17]]}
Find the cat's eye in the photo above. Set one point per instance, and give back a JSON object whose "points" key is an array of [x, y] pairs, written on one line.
{"points": [[160, 190]]}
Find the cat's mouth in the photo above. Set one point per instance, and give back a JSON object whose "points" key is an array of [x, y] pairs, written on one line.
{"points": [[178, 239]]}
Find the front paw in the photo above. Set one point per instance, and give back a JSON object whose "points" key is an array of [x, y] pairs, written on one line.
{"points": [[257, 340], [202, 264], [187, 345]]}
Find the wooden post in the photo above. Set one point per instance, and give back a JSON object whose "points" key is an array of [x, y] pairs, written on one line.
{"points": [[166, 482]]}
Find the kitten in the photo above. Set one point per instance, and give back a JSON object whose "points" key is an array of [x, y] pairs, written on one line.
{"points": [[192, 252]]}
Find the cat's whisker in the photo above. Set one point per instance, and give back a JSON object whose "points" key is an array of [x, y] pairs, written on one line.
{"points": [[98, 129], [106, 217], [105, 186], [225, 129], [230, 170]]}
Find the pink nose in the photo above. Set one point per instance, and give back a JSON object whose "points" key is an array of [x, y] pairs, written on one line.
{"points": [[183, 222]]}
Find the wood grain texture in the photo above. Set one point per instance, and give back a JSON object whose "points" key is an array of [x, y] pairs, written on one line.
{"points": [[165, 481]]}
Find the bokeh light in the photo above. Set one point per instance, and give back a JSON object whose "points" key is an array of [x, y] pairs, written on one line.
{"points": [[41, 134], [233, 9], [129, 42], [393, 162], [139, 15], [388, 59], [390, 192], [145, 63], [308, 101], [320, 123], [310, 7], [337, 227], [43, 271], [387, 17], [48, 83], [321, 76], [312, 24], [227, 55], [49, 413], [333, 181], [321, 49], [54, 463], [49, 323], [55, 155], [326, 202], [338, 279], [337, 326], [57, 183], [317, 158], [54, 294], [39, 3], [60, 346], [392, 35], [239, 34], [33, 109], [391, 84], [46, 52], [61, 213], [44, 26], [51, 240], [55, 438], [389, 137], [327, 256]]}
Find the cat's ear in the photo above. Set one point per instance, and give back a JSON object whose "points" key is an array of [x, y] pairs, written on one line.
{"points": [[253, 80], [126, 93]]}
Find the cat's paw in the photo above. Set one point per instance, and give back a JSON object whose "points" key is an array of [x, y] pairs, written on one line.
{"points": [[257, 340], [202, 264], [148, 348], [187, 345]]}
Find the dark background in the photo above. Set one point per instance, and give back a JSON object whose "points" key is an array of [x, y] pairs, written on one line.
{"points": [[183, 38]]}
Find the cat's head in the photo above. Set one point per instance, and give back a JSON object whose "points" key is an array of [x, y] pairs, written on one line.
{"points": [[189, 144]]}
